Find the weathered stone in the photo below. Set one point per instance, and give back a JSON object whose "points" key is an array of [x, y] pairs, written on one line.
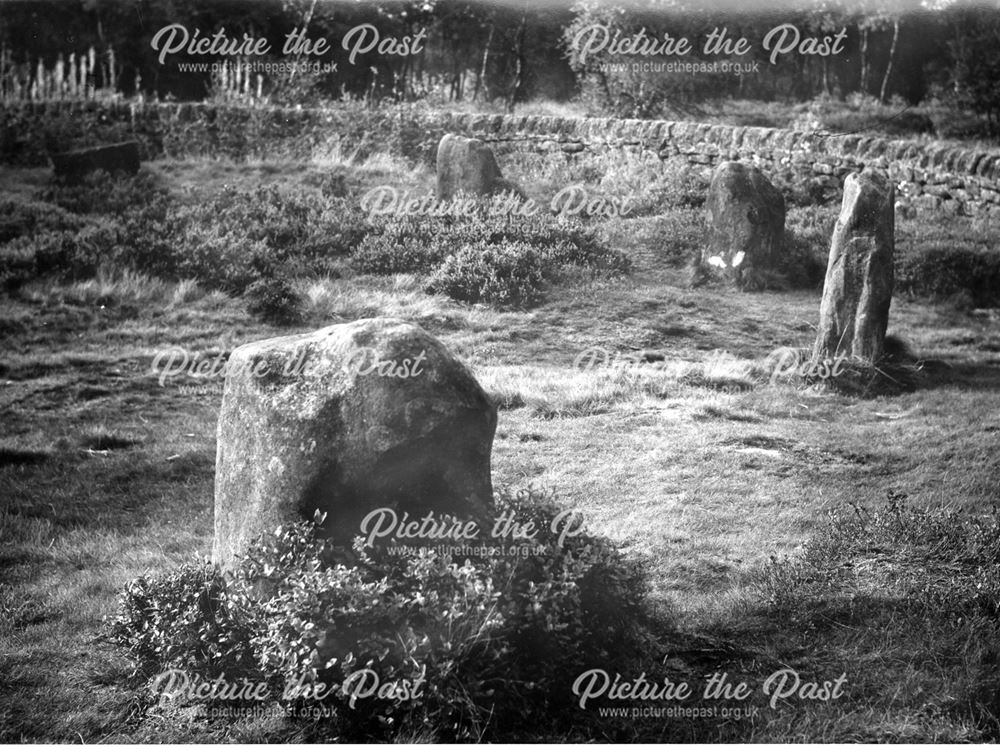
{"points": [[746, 215], [350, 418], [466, 165], [75, 164], [858, 288]]}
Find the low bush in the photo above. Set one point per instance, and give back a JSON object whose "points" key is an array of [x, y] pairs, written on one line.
{"points": [[487, 256], [17, 264], [813, 224], [682, 233], [507, 274], [185, 619], [270, 228], [239, 237], [485, 646], [403, 245], [948, 256], [227, 242], [273, 300], [896, 585], [383, 254], [100, 193], [586, 255], [949, 271], [808, 231], [676, 185], [941, 561], [802, 190], [21, 218], [888, 121], [69, 254], [865, 114]]}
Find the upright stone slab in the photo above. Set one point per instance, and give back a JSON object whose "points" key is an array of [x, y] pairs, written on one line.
{"points": [[746, 216], [466, 165], [859, 275], [350, 418], [75, 164]]}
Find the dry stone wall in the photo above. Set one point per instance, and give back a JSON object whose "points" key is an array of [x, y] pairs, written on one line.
{"points": [[927, 175]]}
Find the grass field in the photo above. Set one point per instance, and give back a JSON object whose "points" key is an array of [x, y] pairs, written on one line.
{"points": [[105, 475]]}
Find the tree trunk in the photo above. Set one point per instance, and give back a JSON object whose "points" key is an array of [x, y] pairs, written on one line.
{"points": [[305, 25], [456, 78], [518, 65], [864, 61], [481, 81], [892, 56]]}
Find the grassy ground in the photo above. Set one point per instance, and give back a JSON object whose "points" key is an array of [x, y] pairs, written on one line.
{"points": [[105, 474]]}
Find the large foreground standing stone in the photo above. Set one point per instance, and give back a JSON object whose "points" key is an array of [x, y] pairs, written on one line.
{"points": [[75, 164], [746, 215], [466, 165], [351, 418], [858, 286]]}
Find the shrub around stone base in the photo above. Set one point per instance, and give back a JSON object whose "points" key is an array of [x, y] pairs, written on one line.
{"points": [[491, 638]]}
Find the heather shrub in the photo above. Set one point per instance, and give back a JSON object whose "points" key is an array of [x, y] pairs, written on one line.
{"points": [[507, 274], [100, 193], [676, 185], [681, 234], [939, 561], [808, 231], [272, 300], [239, 237], [897, 582], [948, 256], [950, 270], [802, 190], [485, 643], [302, 230], [21, 217], [70, 254], [184, 619], [488, 256], [402, 245]]}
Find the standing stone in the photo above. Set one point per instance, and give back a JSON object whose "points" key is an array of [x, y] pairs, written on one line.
{"points": [[746, 216], [858, 287], [350, 418], [75, 164], [466, 165]]}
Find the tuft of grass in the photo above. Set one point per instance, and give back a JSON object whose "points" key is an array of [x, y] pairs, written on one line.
{"points": [[876, 586], [186, 291], [113, 287], [101, 437], [898, 371], [342, 300], [552, 392]]}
